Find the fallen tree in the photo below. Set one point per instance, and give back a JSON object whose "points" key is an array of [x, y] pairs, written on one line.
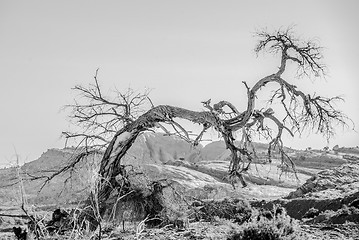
{"points": [[301, 111]]}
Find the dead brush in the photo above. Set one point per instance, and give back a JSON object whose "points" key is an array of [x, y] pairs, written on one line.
{"points": [[36, 224], [140, 229], [237, 210], [273, 225]]}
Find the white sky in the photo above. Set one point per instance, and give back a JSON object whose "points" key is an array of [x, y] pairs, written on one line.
{"points": [[186, 51]]}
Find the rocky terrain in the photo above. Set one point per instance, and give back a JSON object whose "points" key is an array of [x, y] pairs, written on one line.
{"points": [[324, 189]]}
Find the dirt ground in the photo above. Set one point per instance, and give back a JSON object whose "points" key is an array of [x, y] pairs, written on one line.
{"points": [[215, 230], [222, 229]]}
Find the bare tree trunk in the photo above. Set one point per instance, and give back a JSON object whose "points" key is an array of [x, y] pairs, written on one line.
{"points": [[111, 162]]}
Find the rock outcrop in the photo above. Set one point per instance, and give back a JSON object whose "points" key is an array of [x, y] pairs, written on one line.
{"points": [[330, 183], [329, 193]]}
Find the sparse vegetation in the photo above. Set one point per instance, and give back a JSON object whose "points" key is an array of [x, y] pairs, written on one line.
{"points": [[277, 227], [236, 210]]}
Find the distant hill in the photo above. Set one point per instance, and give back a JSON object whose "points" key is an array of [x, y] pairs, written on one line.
{"points": [[157, 148], [217, 151], [149, 148], [60, 189], [159, 157]]}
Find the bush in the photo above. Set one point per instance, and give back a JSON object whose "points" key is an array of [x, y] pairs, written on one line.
{"points": [[260, 227], [237, 210]]}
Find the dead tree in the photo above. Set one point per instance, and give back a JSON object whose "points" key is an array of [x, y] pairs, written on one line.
{"points": [[301, 111]]}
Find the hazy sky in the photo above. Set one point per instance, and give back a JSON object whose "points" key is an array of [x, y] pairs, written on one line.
{"points": [[186, 51]]}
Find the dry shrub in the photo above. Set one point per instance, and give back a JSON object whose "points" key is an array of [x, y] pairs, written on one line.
{"points": [[237, 210], [259, 227]]}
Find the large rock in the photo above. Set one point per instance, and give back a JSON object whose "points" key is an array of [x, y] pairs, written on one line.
{"points": [[331, 189], [330, 183], [298, 207]]}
